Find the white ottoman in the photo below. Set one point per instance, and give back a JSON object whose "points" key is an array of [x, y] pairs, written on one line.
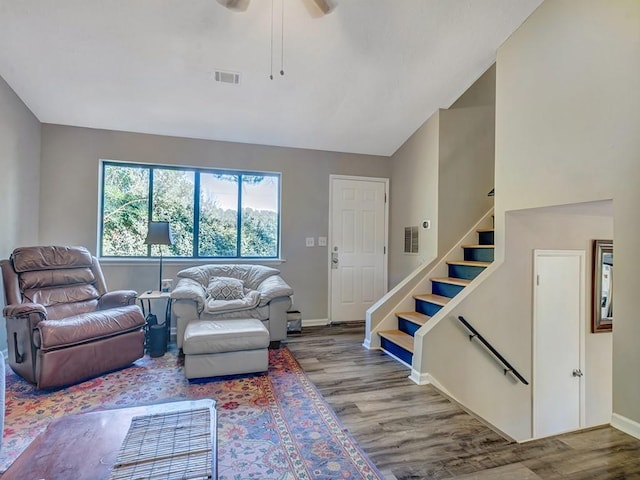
{"points": [[225, 347]]}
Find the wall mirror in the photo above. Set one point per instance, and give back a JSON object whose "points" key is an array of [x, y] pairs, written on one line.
{"points": [[602, 298]]}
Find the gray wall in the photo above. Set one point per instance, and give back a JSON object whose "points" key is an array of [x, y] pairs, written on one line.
{"points": [[567, 123], [443, 173], [69, 197], [20, 167], [20, 178], [414, 198], [567, 117], [467, 157], [501, 309]]}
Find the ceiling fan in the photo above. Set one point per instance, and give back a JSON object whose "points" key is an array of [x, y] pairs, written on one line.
{"points": [[323, 6]]}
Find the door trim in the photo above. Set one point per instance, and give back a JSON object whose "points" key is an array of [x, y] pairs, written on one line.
{"points": [[385, 259], [581, 254]]}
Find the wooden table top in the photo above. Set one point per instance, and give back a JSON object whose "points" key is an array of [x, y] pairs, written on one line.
{"points": [[85, 446]]}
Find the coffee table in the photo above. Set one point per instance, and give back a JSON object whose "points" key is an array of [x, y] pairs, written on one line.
{"points": [[85, 446]]}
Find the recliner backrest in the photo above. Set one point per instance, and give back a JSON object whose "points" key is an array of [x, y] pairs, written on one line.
{"points": [[65, 280]]}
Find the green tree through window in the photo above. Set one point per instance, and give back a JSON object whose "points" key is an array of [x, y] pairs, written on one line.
{"points": [[213, 213]]}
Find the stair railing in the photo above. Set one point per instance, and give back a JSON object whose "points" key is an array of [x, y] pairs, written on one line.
{"points": [[507, 367]]}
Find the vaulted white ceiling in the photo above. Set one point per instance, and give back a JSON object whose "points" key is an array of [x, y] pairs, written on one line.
{"points": [[361, 79]]}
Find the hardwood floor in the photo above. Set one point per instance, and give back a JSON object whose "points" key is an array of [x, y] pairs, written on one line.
{"points": [[413, 432]]}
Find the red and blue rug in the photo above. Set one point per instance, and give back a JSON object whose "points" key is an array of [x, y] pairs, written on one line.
{"points": [[274, 426]]}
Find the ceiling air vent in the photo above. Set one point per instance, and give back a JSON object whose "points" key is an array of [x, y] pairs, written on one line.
{"points": [[232, 78]]}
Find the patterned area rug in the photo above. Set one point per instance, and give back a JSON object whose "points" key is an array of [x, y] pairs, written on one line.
{"points": [[274, 426]]}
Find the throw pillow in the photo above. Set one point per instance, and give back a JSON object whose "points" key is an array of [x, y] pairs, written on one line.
{"points": [[225, 288]]}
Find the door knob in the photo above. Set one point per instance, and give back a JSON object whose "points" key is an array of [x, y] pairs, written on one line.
{"points": [[334, 260], [577, 373]]}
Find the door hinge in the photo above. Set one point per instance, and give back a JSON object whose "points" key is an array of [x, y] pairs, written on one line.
{"points": [[537, 280], [384, 250], [385, 197]]}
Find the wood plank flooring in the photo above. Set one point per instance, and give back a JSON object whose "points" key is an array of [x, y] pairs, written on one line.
{"points": [[413, 432]]}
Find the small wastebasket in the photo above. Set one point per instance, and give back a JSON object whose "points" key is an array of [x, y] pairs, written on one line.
{"points": [[157, 340], [294, 322]]}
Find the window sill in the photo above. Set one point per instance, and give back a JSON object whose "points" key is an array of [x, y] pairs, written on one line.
{"points": [[188, 262]]}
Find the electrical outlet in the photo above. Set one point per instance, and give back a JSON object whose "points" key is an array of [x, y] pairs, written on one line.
{"points": [[322, 241], [310, 242]]}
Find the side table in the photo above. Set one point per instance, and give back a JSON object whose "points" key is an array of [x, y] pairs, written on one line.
{"points": [[156, 295], [85, 446]]}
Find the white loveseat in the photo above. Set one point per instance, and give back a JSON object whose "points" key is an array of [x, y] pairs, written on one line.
{"points": [[226, 292]]}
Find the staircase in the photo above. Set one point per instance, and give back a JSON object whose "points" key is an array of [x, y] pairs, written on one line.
{"points": [[399, 343]]}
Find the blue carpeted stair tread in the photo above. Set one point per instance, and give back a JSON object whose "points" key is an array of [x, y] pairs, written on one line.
{"points": [[480, 252], [399, 343]]}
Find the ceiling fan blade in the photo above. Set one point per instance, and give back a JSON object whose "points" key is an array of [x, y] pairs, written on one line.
{"points": [[324, 6], [235, 5]]}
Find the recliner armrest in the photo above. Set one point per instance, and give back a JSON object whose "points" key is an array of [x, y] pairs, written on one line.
{"points": [[117, 298], [273, 287], [24, 310]]}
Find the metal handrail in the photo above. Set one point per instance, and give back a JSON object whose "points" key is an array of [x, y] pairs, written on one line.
{"points": [[508, 367]]}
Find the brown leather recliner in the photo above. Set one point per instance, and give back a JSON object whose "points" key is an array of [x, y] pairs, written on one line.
{"points": [[63, 326]]}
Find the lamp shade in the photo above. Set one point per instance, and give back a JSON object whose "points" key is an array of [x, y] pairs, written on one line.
{"points": [[159, 234]]}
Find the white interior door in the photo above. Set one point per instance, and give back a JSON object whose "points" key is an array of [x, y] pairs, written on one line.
{"points": [[357, 245], [558, 384]]}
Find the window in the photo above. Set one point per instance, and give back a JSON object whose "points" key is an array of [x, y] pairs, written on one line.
{"points": [[213, 213]]}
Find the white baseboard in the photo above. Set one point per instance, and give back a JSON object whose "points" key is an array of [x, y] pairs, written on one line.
{"points": [[626, 425], [367, 344], [5, 353], [420, 378], [315, 322]]}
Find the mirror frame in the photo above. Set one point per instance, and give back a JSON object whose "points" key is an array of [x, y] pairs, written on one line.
{"points": [[598, 323]]}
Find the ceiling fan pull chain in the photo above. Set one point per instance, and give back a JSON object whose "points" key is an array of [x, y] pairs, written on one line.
{"points": [[282, 42], [271, 66]]}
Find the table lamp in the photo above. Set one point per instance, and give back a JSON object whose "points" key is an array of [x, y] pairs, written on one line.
{"points": [[159, 234]]}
